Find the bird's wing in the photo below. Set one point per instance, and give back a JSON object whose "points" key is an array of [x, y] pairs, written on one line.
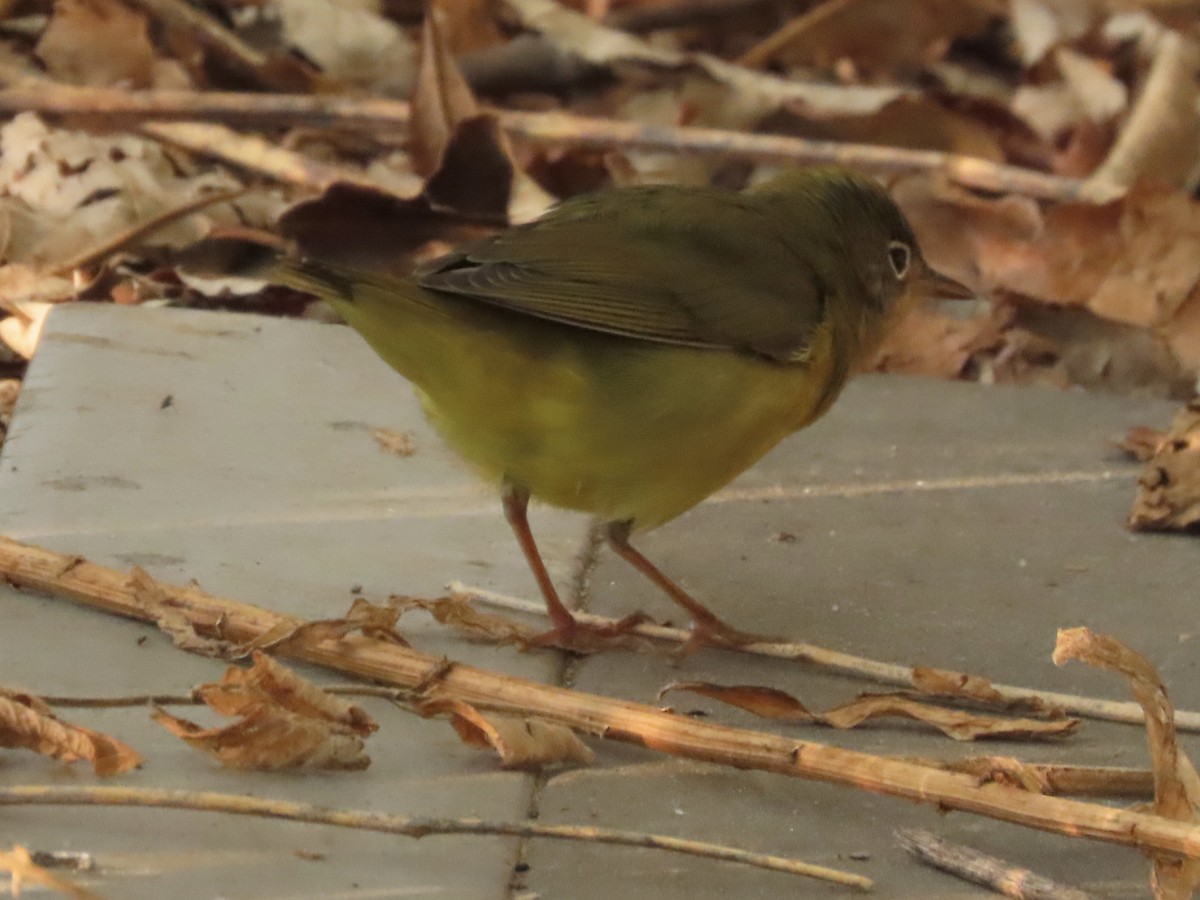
{"points": [[699, 268]]}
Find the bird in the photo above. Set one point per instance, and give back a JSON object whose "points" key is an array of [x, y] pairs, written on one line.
{"points": [[635, 349]]}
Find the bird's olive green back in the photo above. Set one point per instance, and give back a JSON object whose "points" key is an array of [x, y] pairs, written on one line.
{"points": [[691, 266]]}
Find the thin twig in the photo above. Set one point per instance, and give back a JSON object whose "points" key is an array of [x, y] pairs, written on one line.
{"points": [[678, 14], [979, 868], [99, 587], [408, 826], [860, 666], [113, 244], [345, 690], [553, 128]]}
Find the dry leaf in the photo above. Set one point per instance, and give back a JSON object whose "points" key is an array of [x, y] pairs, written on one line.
{"points": [[1176, 784], [269, 680], [1161, 138], [271, 739], [458, 612], [351, 42], [287, 722], [522, 743], [98, 42], [26, 723], [1168, 492], [769, 703], [373, 621], [960, 725], [877, 37], [174, 622], [22, 330], [775, 704], [398, 443], [20, 865], [1142, 443], [976, 688]]}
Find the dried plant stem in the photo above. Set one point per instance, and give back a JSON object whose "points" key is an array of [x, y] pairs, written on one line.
{"points": [[979, 868], [408, 826], [848, 664], [108, 589], [261, 110]]}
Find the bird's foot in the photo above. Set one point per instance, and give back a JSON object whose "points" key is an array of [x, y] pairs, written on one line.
{"points": [[712, 631], [587, 637]]}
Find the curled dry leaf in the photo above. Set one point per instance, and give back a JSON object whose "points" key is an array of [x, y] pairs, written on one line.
{"points": [[22, 330], [458, 612], [270, 680], [98, 42], [271, 739], [976, 688], [1168, 492], [371, 620], [522, 743], [26, 722], [772, 703], [287, 722], [1176, 784], [20, 865], [175, 623]]}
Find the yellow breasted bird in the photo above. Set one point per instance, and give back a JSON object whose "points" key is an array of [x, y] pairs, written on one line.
{"points": [[634, 350]]}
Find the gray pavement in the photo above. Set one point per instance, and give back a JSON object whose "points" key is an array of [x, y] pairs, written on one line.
{"points": [[947, 524]]}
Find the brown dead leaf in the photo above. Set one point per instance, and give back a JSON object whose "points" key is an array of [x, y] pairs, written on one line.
{"points": [[174, 622], [927, 342], [270, 680], [398, 443], [975, 688], [286, 722], [22, 330], [769, 703], [957, 724], [27, 724], [774, 704], [1161, 137], [20, 865], [373, 621], [352, 43], [271, 739], [1176, 784], [458, 612], [876, 37], [1142, 443], [441, 99], [99, 43], [1168, 493], [522, 743]]}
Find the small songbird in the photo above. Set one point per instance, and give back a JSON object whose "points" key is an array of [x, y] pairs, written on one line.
{"points": [[634, 350]]}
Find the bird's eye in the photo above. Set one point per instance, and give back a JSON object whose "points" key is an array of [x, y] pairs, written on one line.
{"points": [[899, 255]]}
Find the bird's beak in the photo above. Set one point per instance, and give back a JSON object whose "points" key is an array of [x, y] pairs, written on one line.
{"points": [[937, 286]]}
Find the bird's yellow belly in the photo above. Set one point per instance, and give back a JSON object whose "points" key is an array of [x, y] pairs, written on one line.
{"points": [[624, 429]]}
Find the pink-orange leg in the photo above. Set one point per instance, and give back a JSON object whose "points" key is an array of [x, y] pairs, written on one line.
{"points": [[568, 632], [707, 628]]}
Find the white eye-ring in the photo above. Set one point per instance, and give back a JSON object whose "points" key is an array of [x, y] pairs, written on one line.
{"points": [[899, 255]]}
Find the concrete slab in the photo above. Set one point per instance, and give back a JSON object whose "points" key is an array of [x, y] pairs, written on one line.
{"points": [[945, 524]]}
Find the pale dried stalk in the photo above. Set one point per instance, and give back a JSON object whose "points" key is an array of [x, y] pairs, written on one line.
{"points": [[553, 128], [980, 868], [848, 664], [409, 826], [621, 720]]}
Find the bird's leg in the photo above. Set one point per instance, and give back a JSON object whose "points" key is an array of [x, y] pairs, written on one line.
{"points": [[568, 632], [707, 628]]}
